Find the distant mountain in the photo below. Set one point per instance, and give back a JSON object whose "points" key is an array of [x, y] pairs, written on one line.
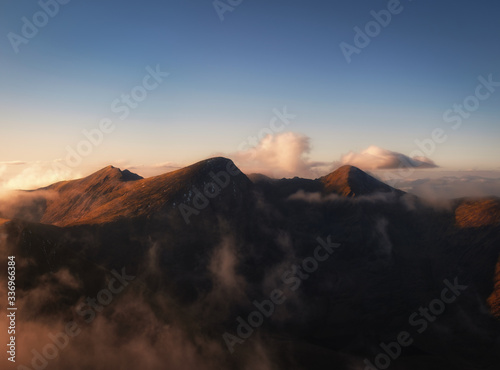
{"points": [[350, 181], [353, 258]]}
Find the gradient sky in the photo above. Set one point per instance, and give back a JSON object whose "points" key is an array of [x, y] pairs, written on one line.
{"points": [[226, 77]]}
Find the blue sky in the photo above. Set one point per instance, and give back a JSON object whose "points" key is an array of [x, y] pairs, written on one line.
{"points": [[226, 77]]}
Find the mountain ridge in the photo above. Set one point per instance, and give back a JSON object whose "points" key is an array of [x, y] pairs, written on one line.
{"points": [[111, 193]]}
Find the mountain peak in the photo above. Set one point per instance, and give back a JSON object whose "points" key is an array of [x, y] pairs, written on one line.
{"points": [[115, 173], [217, 163], [351, 181], [200, 171], [107, 176], [347, 171]]}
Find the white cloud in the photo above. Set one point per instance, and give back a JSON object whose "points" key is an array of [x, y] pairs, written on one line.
{"points": [[374, 158], [280, 155]]}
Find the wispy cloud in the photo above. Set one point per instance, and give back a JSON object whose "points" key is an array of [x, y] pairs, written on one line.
{"points": [[12, 163], [32, 175], [453, 186]]}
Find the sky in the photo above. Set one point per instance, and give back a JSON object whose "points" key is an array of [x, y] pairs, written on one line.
{"points": [[210, 78]]}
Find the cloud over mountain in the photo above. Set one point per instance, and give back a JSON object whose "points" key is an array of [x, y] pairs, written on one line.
{"points": [[280, 155], [287, 155], [375, 157]]}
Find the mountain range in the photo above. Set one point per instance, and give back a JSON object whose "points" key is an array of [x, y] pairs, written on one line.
{"points": [[357, 263]]}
